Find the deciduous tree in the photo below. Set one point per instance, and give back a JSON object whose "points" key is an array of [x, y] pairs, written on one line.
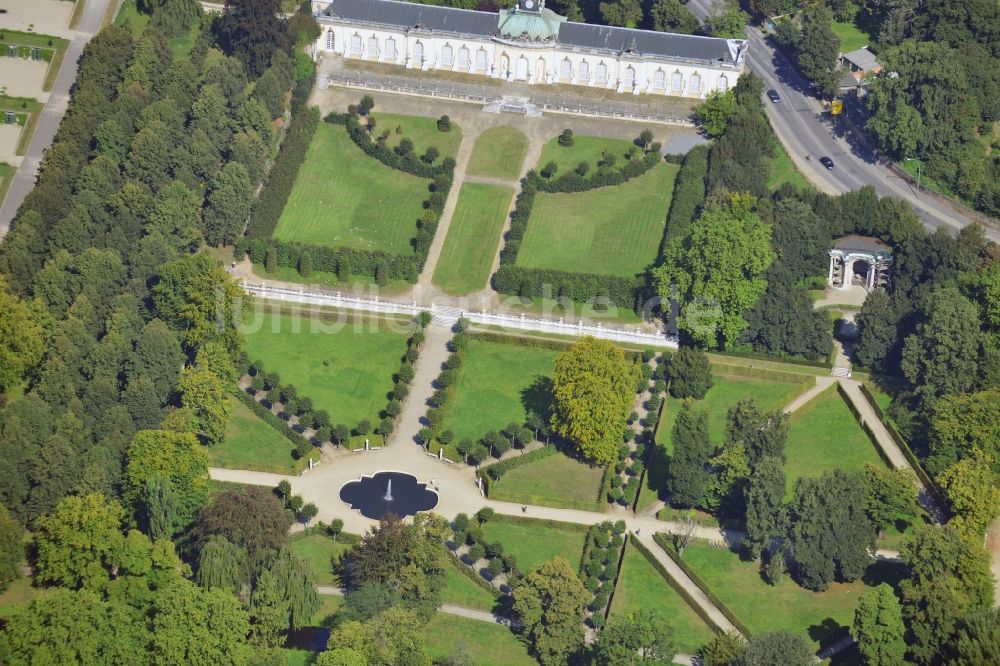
{"points": [[878, 627], [690, 373], [75, 543], [167, 455], [637, 638], [766, 512], [550, 601], [778, 647], [688, 471]]}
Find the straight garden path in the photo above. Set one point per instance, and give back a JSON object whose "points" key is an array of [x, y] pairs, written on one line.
{"points": [[822, 384]]}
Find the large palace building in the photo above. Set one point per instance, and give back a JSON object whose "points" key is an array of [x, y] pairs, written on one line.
{"points": [[528, 43]]}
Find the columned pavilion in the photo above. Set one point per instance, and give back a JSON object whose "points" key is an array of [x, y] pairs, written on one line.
{"points": [[859, 261]]}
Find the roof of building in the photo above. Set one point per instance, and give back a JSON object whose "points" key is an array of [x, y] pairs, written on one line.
{"points": [[862, 58], [862, 244], [542, 25]]}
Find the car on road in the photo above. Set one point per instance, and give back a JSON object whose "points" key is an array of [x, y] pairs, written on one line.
{"points": [[773, 96], [827, 162]]}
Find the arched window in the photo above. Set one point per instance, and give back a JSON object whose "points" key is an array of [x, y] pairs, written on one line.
{"points": [[601, 75], [329, 40], [540, 69], [522, 68], [356, 44], [583, 71], [694, 83], [723, 83], [481, 59], [566, 70], [463, 58], [418, 53], [676, 82], [390, 48], [630, 77], [659, 79], [446, 55], [373, 47]]}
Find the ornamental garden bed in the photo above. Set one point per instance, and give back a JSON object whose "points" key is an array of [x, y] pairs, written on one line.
{"points": [[473, 237], [499, 153], [820, 617], [769, 391], [345, 368], [641, 588]]}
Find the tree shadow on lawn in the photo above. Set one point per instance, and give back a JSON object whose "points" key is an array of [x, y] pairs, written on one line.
{"points": [[828, 631], [537, 397]]}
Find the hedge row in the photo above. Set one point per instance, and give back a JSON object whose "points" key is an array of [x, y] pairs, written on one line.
{"points": [[386, 155], [303, 447], [911, 457], [538, 522], [574, 182], [689, 194], [508, 339], [603, 591], [537, 282], [763, 373], [403, 378], [342, 260], [791, 360], [472, 575], [271, 201], [668, 548], [495, 472]]}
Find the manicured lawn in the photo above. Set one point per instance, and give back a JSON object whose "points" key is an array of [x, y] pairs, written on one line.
{"points": [[851, 36], [608, 230], [535, 544], [558, 481], [824, 435], [584, 149], [361, 285], [473, 237], [461, 591], [498, 153], [726, 391], [318, 549], [328, 606], [486, 644], [346, 369], [783, 171], [423, 132], [252, 444], [817, 616], [343, 198], [552, 308], [642, 588], [497, 384]]}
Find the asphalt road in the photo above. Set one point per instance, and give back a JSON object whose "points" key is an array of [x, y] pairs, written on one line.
{"points": [[805, 131], [52, 113]]}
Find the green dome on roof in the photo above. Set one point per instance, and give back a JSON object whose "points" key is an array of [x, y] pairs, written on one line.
{"points": [[519, 24]]}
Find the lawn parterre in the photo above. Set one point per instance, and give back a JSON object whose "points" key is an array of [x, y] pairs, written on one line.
{"points": [[584, 149], [499, 153], [497, 384], [817, 616], [319, 550], [344, 198], [486, 644], [461, 591], [608, 230], [473, 237], [252, 444], [641, 588], [534, 543], [824, 435], [557, 481], [345, 368], [726, 391], [423, 132]]}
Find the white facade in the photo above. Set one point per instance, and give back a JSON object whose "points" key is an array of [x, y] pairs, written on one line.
{"points": [[524, 61]]}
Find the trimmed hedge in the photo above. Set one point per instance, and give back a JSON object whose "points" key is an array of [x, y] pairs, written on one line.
{"points": [[328, 259], [508, 339], [535, 522], [271, 201], [748, 353], [303, 447], [668, 548], [689, 194], [386, 155], [604, 493], [571, 181], [473, 576], [495, 472]]}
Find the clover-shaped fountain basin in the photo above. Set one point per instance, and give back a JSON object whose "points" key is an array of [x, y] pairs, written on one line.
{"points": [[388, 492]]}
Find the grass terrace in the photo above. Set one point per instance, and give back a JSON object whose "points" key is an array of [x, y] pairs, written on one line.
{"points": [[499, 153], [344, 198], [608, 230], [423, 132], [345, 368], [461, 591], [725, 393], [533, 544], [824, 435], [473, 237], [557, 481], [817, 616], [252, 444], [550, 308], [497, 384], [584, 149], [641, 588], [486, 644]]}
